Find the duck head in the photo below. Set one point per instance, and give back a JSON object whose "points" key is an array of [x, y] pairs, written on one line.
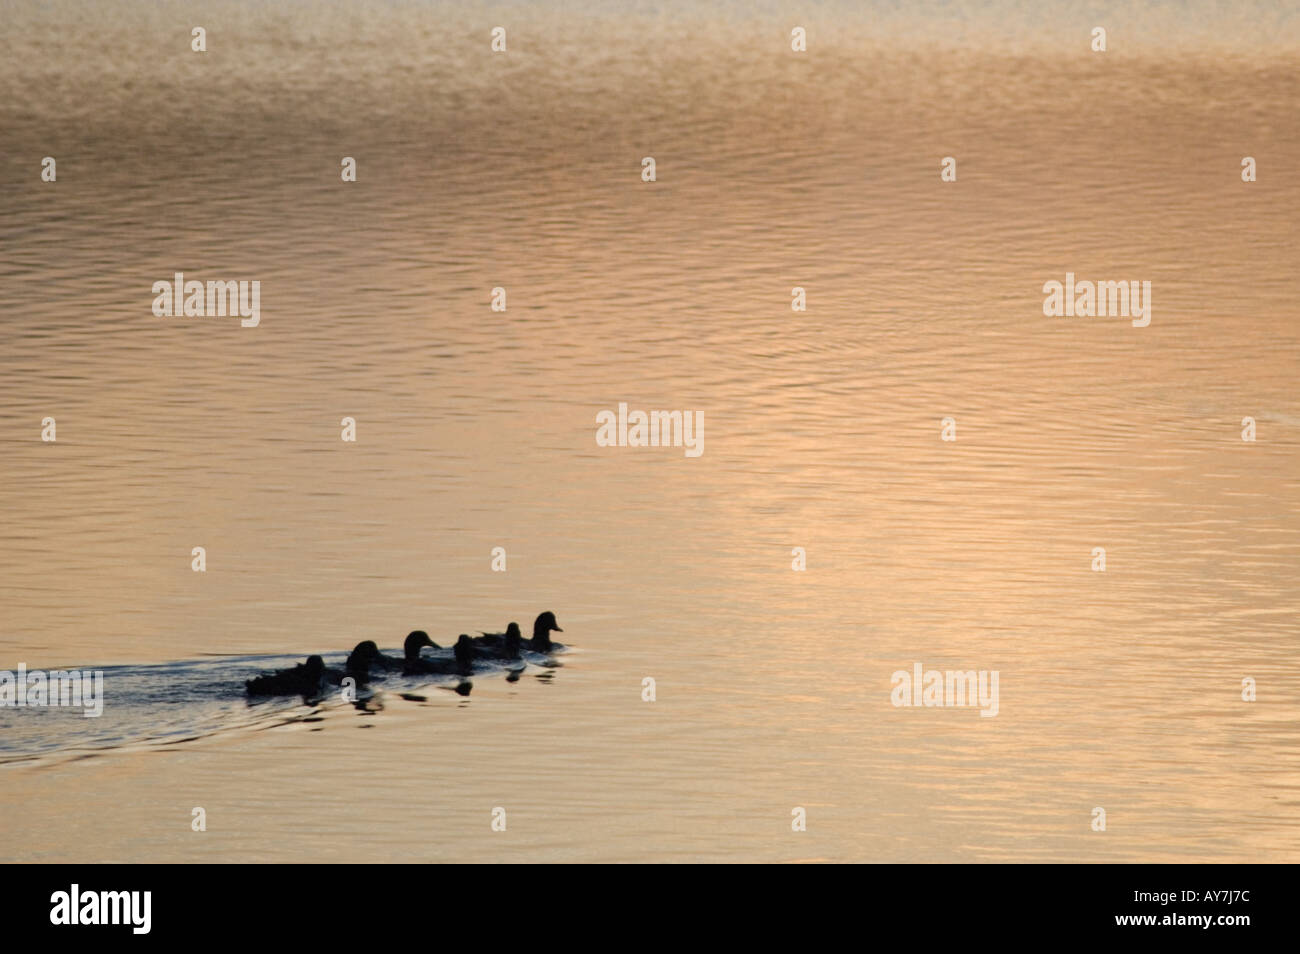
{"points": [[417, 641], [314, 667], [543, 627], [365, 653]]}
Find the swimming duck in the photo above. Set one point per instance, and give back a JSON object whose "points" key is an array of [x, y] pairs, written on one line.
{"points": [[303, 679], [542, 629], [362, 657], [462, 664], [415, 641], [500, 645]]}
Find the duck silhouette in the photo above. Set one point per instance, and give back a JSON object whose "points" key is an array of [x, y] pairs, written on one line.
{"points": [[304, 679], [414, 642], [499, 645], [359, 661], [543, 626], [462, 664]]}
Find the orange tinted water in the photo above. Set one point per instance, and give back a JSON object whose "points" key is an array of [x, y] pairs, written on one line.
{"points": [[476, 428]]}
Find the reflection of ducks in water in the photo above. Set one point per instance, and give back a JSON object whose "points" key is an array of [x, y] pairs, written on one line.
{"points": [[542, 629], [303, 679], [462, 664]]}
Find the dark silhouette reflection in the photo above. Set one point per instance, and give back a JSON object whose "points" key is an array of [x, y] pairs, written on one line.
{"points": [[369, 702]]}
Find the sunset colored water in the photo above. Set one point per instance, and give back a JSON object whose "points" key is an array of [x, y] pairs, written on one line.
{"points": [[823, 429]]}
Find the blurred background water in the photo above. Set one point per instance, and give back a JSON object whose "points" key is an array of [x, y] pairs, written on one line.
{"points": [[475, 428]]}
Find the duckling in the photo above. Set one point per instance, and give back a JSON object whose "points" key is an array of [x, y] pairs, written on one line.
{"points": [[415, 641], [303, 679], [499, 645], [462, 664], [544, 625], [358, 664]]}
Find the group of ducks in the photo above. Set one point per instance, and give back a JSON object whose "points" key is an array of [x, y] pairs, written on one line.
{"points": [[310, 678]]}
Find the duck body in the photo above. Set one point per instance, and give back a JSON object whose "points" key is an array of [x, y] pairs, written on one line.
{"points": [[415, 641], [499, 645], [461, 664], [357, 667], [304, 679]]}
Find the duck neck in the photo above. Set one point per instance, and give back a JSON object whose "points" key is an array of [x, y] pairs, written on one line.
{"points": [[541, 634]]}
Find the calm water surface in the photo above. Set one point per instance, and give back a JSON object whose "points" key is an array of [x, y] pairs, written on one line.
{"points": [[476, 429]]}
